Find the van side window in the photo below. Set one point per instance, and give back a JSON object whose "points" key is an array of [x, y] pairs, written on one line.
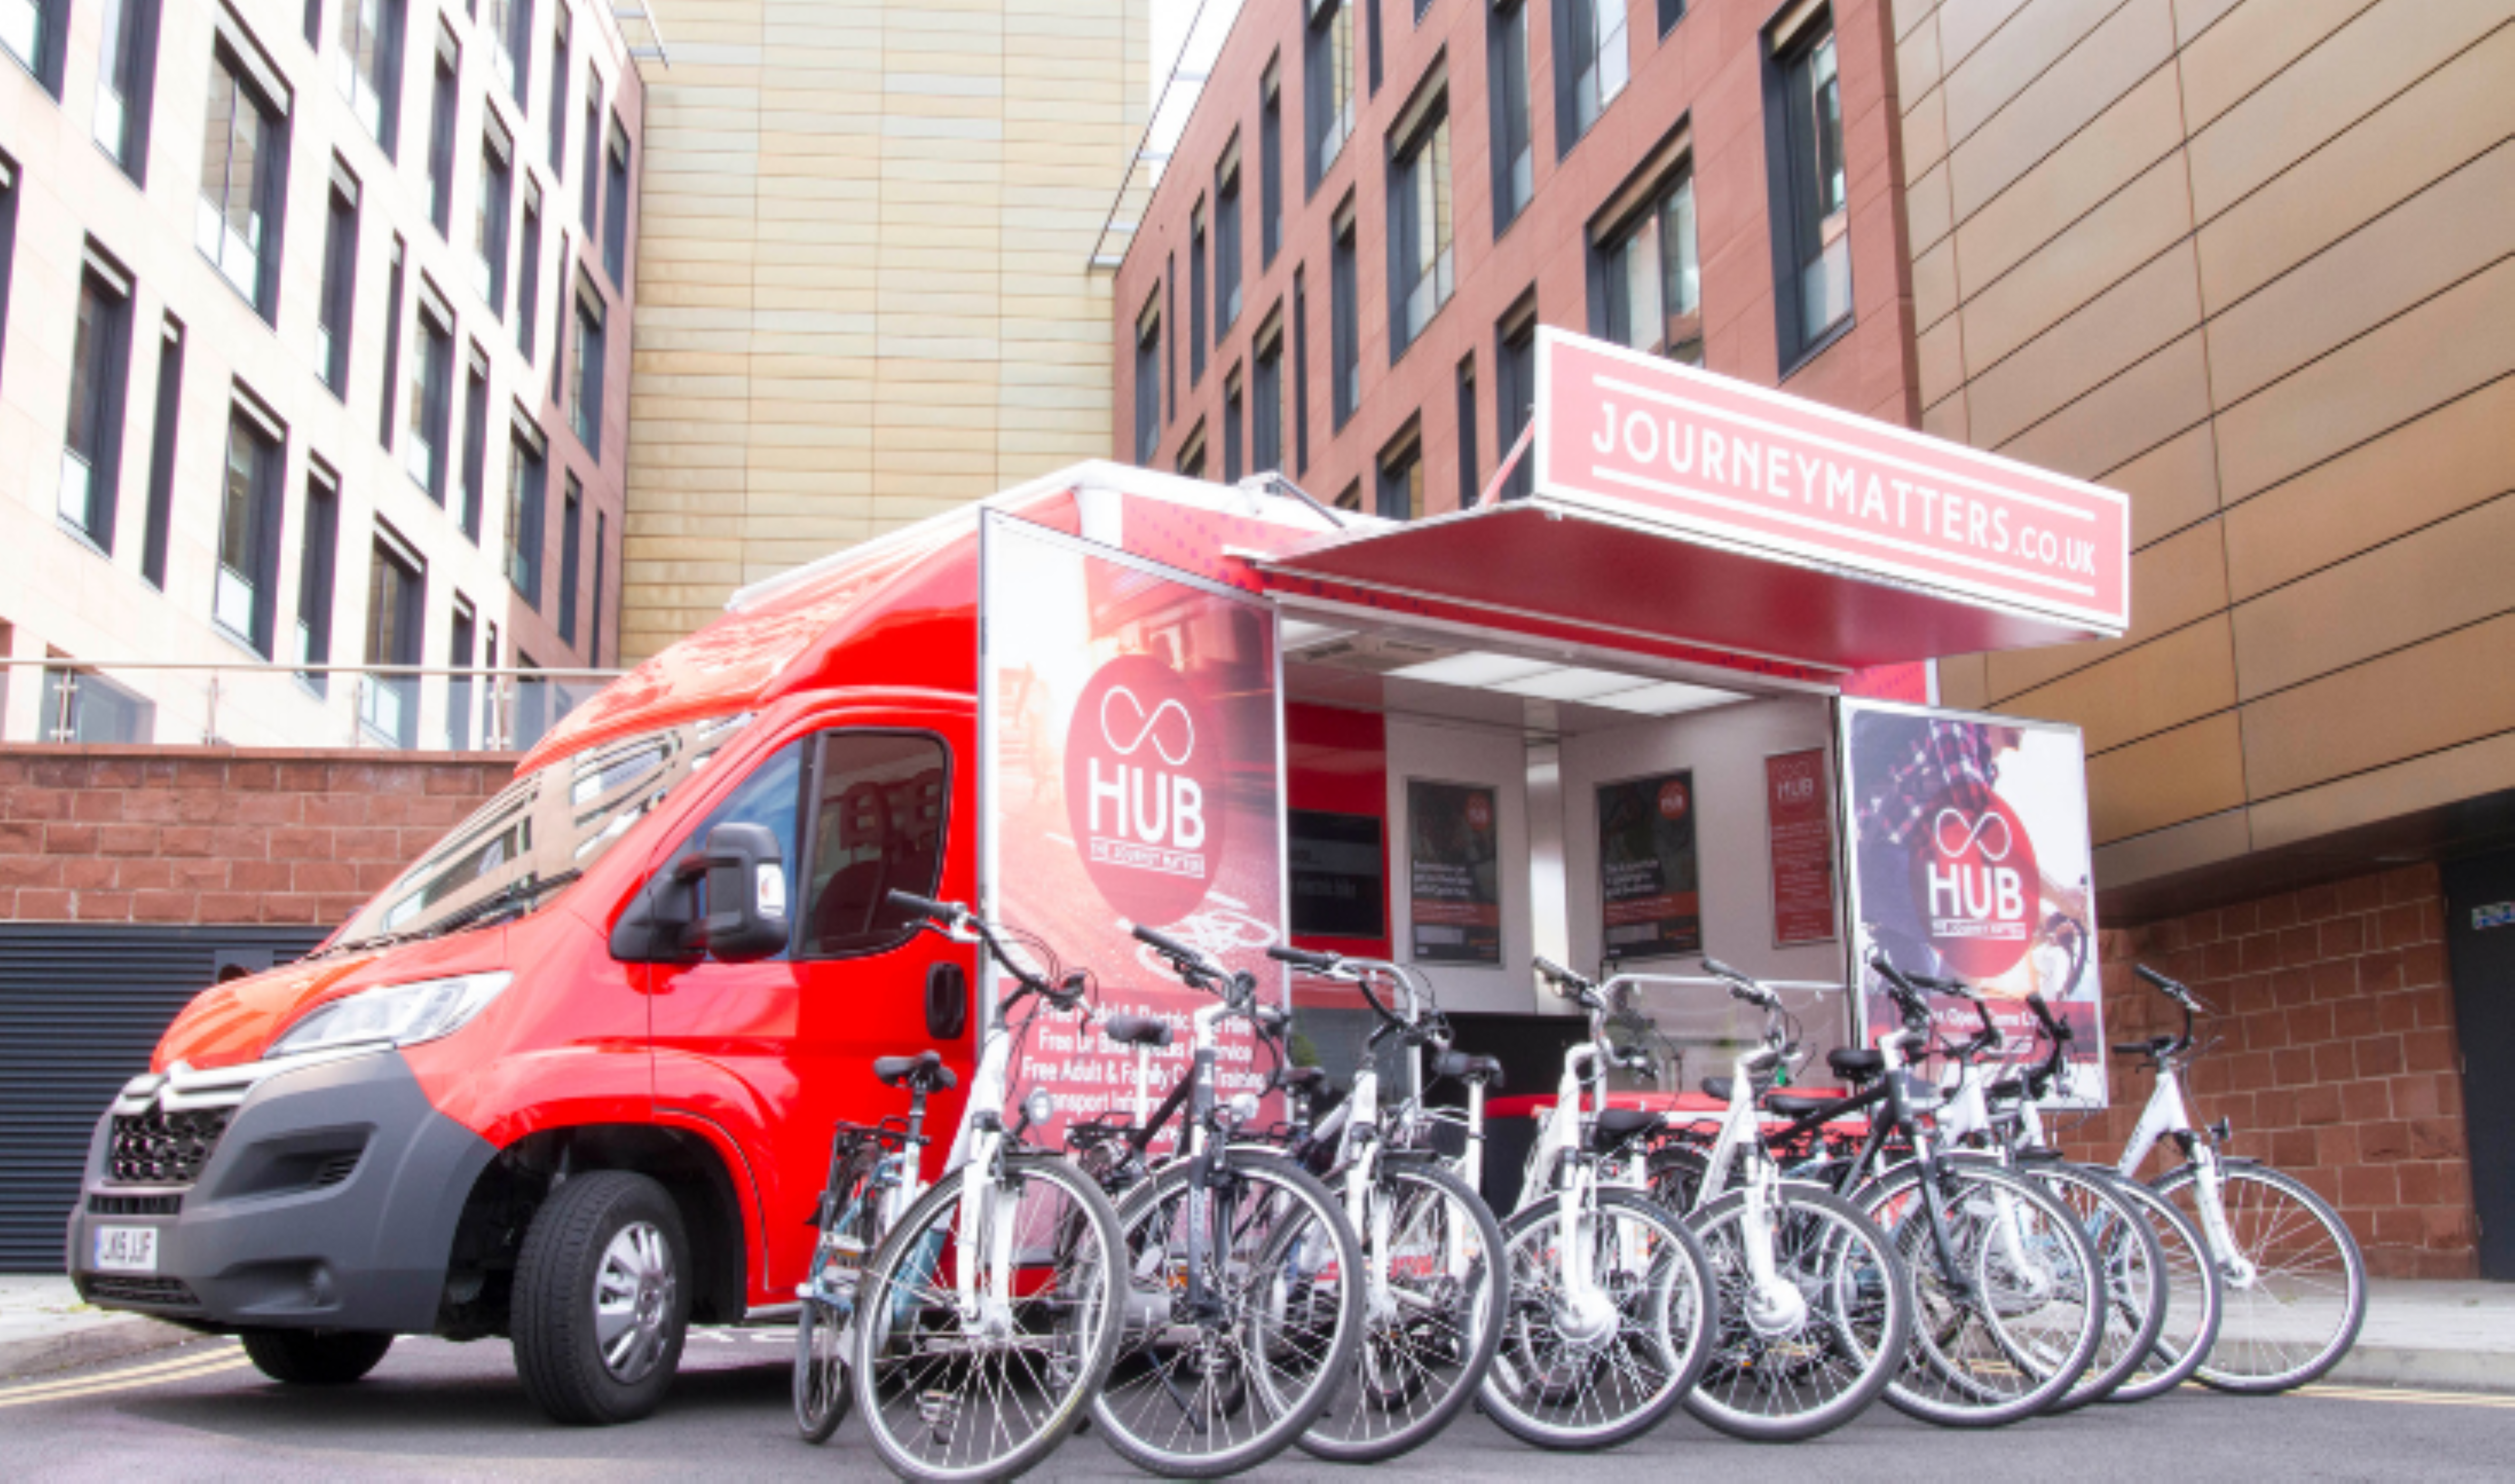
{"points": [[771, 796], [878, 811]]}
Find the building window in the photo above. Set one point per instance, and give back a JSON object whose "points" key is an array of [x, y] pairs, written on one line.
{"points": [[1267, 398], [1349, 498], [161, 456], [31, 31], [571, 537], [1148, 381], [392, 345], [1301, 376], [100, 364], [1401, 475], [126, 77], [366, 65], [1591, 62], [529, 263], [244, 599], [1813, 239], [1371, 35], [338, 308], [1468, 488], [1234, 410], [1671, 12], [8, 240], [459, 694], [431, 394], [497, 191], [615, 209], [83, 706], [475, 443], [1345, 338], [585, 391], [318, 555], [1191, 455], [396, 609], [594, 622], [559, 326], [1170, 352], [1195, 295], [590, 193], [511, 22], [1514, 151], [560, 40], [1419, 224], [1327, 84], [527, 479], [1516, 394], [1226, 243], [1650, 280], [442, 107], [1270, 169], [244, 174]]}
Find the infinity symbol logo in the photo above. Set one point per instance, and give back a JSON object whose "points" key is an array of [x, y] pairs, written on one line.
{"points": [[1969, 833], [1147, 728]]}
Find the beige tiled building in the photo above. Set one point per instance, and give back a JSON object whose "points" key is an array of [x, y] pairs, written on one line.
{"points": [[865, 290]]}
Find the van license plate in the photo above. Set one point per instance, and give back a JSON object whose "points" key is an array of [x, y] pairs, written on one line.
{"points": [[126, 1249]]}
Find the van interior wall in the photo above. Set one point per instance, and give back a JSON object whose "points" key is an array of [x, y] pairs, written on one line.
{"points": [[1436, 750]]}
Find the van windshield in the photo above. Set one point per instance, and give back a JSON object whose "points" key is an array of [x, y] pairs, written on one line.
{"points": [[541, 833]]}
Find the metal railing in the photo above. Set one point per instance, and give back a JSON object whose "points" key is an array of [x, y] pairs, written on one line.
{"points": [[216, 703]]}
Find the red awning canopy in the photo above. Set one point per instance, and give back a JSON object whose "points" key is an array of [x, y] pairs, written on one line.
{"points": [[1536, 564]]}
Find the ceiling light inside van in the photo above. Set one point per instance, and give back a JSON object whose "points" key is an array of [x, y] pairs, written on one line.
{"points": [[1664, 698]]}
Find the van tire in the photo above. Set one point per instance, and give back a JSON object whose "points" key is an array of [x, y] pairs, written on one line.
{"points": [[316, 1357], [606, 1229]]}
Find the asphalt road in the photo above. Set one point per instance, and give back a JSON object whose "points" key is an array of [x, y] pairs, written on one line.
{"points": [[439, 1411]]}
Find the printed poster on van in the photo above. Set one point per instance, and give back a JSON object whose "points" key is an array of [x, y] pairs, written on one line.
{"points": [[1970, 859], [1130, 735], [1649, 882], [1454, 872]]}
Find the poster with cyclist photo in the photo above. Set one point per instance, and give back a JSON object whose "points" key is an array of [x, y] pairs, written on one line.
{"points": [[1130, 737], [1649, 885], [1970, 859], [1454, 872]]}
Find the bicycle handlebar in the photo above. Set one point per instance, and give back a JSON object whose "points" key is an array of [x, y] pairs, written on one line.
{"points": [[955, 915], [1303, 958]]}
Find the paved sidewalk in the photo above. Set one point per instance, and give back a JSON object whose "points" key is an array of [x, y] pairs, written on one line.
{"points": [[2456, 1336]]}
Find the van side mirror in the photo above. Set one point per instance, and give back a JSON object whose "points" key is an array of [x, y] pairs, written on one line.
{"points": [[746, 894]]}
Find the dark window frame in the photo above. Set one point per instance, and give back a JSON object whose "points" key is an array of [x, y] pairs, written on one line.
{"points": [[1515, 392], [1326, 127], [494, 212], [1580, 48], [619, 181], [264, 511], [528, 271], [433, 390], [163, 432], [476, 441], [586, 388], [51, 46], [1398, 475], [1798, 200], [1270, 169], [1506, 106], [445, 106], [235, 55], [336, 310], [1466, 440], [319, 562], [105, 336], [1227, 232], [1425, 146], [1345, 318], [572, 544], [1300, 374], [1267, 398], [562, 42], [523, 533], [397, 291], [393, 20], [133, 82], [1148, 381], [1235, 408], [1196, 280]]}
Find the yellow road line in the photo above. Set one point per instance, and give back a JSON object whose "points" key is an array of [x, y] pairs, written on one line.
{"points": [[2406, 1397], [220, 1359]]}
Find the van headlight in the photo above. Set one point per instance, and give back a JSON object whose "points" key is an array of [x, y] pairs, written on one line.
{"points": [[404, 1014]]}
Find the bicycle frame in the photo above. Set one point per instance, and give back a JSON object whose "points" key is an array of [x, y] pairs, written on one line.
{"points": [[2164, 1117]]}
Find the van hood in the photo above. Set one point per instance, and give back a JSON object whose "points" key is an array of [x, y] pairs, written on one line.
{"points": [[233, 1023]]}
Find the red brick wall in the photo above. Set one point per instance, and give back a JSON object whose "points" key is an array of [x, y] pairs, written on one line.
{"points": [[2339, 1062], [216, 834]]}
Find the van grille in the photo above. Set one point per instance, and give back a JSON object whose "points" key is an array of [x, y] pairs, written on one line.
{"points": [[100, 1205], [159, 1293], [162, 1148]]}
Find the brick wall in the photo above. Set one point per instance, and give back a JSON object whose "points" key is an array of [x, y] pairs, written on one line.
{"points": [[2339, 1062], [217, 835]]}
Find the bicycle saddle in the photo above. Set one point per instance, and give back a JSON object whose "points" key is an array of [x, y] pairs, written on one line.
{"points": [[924, 1072], [1304, 1079], [1466, 1068], [2154, 1045], [1136, 1030], [2005, 1089], [1797, 1104], [1719, 1088], [1614, 1126], [1852, 1064]]}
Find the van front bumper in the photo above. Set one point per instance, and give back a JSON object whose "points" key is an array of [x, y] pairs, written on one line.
{"points": [[319, 1193]]}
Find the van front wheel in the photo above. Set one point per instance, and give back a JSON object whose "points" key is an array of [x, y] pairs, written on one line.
{"points": [[601, 1305]]}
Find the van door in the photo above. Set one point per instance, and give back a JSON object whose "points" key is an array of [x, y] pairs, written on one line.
{"points": [[775, 1053]]}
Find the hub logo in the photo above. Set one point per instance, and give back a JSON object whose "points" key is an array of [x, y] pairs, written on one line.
{"points": [[1975, 878], [1674, 801], [1143, 789]]}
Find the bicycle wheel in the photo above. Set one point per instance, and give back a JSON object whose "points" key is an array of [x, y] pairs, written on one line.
{"points": [[1565, 1380], [2193, 1301], [1782, 1372], [821, 1392], [2136, 1287], [1428, 1339], [2010, 1315], [2295, 1284], [988, 1393], [1200, 1392]]}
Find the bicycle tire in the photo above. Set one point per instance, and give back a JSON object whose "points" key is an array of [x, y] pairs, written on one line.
{"points": [[1936, 1382], [1862, 1307], [1342, 1433], [1305, 1289], [2247, 1336], [823, 1392], [1077, 1311], [2136, 1286], [1534, 1368], [2192, 1308]]}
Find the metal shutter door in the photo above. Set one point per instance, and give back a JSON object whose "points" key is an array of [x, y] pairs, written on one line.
{"points": [[81, 1007]]}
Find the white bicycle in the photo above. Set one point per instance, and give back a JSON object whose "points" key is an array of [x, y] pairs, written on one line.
{"points": [[2294, 1279]]}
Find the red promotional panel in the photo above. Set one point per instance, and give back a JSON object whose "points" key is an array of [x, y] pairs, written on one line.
{"points": [[1132, 748], [1798, 815], [1970, 859], [1654, 442]]}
